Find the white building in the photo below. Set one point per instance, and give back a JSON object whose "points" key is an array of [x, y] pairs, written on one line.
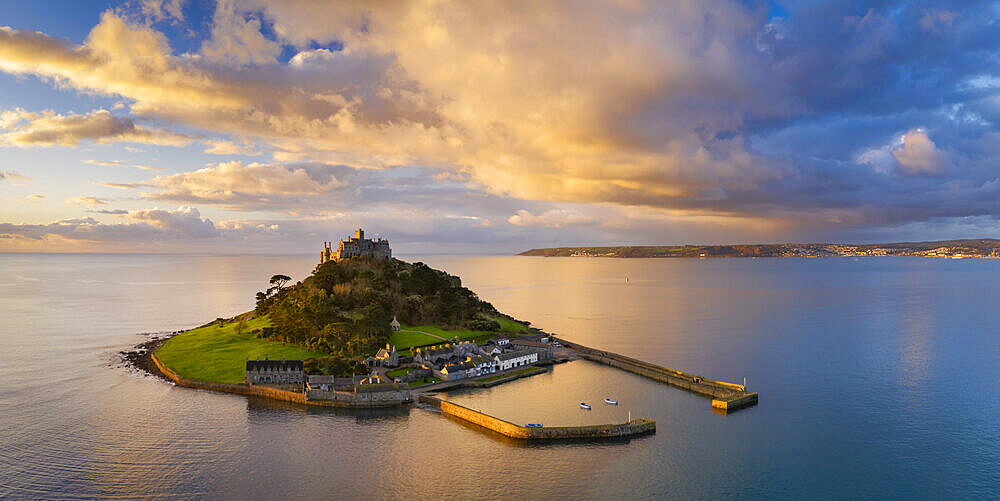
{"points": [[513, 359]]}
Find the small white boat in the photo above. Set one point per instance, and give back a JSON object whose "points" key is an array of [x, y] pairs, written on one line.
{"points": [[610, 401], [584, 405]]}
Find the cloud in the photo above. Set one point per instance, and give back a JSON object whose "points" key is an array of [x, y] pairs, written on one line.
{"points": [[937, 20], [86, 201], [184, 221], [35, 197], [918, 155], [11, 176], [381, 102], [237, 38], [252, 185], [48, 128], [157, 10], [554, 218], [120, 186], [110, 163], [155, 229], [154, 224], [711, 109], [220, 147]]}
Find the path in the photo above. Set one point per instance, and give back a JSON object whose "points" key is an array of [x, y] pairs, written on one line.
{"points": [[425, 332]]}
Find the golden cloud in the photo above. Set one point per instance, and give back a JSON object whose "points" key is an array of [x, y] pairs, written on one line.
{"points": [[583, 103], [25, 128]]}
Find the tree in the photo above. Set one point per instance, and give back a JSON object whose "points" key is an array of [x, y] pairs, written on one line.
{"points": [[241, 325], [279, 281]]}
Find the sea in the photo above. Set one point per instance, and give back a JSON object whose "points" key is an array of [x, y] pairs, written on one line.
{"points": [[878, 379]]}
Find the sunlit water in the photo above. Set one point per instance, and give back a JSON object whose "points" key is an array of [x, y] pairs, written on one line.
{"points": [[877, 378]]}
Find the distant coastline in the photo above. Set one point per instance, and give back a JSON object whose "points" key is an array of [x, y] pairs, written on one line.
{"points": [[981, 248]]}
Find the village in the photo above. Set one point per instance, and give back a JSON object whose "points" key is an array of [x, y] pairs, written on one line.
{"points": [[394, 379]]}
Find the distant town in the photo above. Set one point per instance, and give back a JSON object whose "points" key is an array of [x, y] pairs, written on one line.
{"points": [[982, 248]]}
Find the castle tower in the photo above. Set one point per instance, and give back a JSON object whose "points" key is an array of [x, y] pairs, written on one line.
{"points": [[359, 234]]}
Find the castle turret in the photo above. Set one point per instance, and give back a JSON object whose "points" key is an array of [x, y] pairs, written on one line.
{"points": [[356, 246]]}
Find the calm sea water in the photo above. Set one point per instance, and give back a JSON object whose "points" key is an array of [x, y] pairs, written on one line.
{"points": [[878, 378]]}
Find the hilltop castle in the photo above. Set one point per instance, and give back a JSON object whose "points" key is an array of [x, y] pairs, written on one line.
{"points": [[356, 246]]}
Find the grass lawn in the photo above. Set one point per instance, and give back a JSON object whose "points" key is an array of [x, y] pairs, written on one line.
{"points": [[422, 382], [404, 340], [213, 353], [399, 372], [508, 325], [448, 334]]}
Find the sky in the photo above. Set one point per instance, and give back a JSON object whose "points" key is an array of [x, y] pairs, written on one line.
{"points": [[479, 126]]}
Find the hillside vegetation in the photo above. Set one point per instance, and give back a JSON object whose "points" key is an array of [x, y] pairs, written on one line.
{"points": [[345, 308]]}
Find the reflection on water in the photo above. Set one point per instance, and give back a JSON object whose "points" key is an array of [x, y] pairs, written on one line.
{"points": [[876, 379], [553, 398]]}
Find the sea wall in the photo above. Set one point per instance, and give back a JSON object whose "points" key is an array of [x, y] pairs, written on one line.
{"points": [[634, 427], [727, 396], [268, 392], [735, 401]]}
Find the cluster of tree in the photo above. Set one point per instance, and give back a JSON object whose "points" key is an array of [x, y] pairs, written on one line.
{"points": [[345, 307]]}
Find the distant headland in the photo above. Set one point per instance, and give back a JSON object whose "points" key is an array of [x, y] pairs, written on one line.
{"points": [[981, 248]]}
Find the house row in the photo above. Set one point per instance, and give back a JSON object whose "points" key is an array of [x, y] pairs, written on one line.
{"points": [[434, 354], [333, 383], [274, 371], [484, 365]]}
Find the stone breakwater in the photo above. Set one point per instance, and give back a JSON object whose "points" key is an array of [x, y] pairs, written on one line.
{"points": [[725, 396], [617, 430], [267, 392]]}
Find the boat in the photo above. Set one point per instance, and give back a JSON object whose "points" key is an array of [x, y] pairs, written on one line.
{"points": [[534, 425], [610, 401], [584, 405]]}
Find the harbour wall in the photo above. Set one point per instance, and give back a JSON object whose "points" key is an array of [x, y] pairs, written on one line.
{"points": [[631, 428], [724, 395], [269, 392]]}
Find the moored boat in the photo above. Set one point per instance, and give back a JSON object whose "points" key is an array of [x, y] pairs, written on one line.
{"points": [[610, 401], [584, 405]]}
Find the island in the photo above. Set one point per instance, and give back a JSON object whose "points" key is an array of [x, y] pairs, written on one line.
{"points": [[982, 248], [368, 330]]}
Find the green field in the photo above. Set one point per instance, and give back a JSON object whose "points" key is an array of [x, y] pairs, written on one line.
{"points": [[508, 325], [449, 334], [213, 353], [422, 382], [404, 340], [399, 372]]}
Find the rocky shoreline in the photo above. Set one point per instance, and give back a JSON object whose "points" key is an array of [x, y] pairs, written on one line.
{"points": [[140, 357]]}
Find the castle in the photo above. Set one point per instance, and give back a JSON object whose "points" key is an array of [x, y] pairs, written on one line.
{"points": [[356, 246]]}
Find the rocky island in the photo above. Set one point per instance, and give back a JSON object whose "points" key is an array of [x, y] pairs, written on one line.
{"points": [[367, 330], [982, 248]]}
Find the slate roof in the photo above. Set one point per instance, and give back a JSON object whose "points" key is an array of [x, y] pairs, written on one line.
{"points": [[274, 365], [514, 354]]}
